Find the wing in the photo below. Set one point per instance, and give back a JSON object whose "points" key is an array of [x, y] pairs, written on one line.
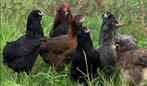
{"points": [[60, 30], [19, 48]]}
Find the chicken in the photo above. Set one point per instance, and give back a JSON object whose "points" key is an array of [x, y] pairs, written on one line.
{"points": [[20, 55], [107, 50], [125, 42], [55, 50], [130, 61], [132, 64], [62, 21], [83, 68]]}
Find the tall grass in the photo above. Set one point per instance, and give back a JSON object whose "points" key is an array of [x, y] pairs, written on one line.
{"points": [[13, 24]]}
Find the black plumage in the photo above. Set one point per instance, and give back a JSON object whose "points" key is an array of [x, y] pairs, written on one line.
{"points": [[78, 58], [62, 22], [62, 28], [21, 54]]}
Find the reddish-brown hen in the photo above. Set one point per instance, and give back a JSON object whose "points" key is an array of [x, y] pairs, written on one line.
{"points": [[55, 50]]}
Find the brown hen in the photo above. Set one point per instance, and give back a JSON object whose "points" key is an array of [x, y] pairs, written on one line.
{"points": [[55, 50], [132, 64]]}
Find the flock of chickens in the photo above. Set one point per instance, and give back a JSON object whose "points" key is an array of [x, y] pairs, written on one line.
{"points": [[70, 42]]}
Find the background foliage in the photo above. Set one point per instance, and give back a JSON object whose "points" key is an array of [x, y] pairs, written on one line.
{"points": [[132, 13]]}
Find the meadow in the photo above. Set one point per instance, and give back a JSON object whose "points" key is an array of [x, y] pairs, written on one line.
{"points": [[131, 13]]}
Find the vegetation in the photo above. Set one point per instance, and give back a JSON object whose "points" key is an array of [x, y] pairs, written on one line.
{"points": [[13, 24]]}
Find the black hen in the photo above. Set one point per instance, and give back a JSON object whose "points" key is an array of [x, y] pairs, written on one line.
{"points": [[78, 62], [21, 54]]}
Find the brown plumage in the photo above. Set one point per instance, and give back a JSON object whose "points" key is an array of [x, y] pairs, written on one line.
{"points": [[55, 50], [131, 64]]}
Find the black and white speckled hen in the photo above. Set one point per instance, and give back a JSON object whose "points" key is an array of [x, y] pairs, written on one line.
{"points": [[107, 49], [125, 42]]}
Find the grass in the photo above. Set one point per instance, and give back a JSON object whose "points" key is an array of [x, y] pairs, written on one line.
{"points": [[13, 24]]}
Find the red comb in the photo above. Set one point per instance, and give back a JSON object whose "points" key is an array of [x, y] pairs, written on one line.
{"points": [[65, 5]]}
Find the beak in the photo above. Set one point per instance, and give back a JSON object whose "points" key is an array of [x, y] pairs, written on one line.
{"points": [[82, 19], [87, 30], [118, 24], [41, 13]]}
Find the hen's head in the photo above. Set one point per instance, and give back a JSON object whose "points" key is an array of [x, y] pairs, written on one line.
{"points": [[108, 16], [64, 9], [77, 23], [79, 19], [35, 15], [114, 24], [65, 6], [84, 37], [84, 34], [110, 19]]}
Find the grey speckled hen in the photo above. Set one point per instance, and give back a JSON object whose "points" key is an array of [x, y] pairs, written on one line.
{"points": [[125, 42], [107, 50]]}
